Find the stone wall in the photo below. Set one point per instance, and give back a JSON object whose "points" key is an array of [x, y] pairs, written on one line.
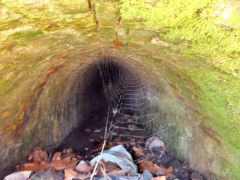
{"points": [[45, 45]]}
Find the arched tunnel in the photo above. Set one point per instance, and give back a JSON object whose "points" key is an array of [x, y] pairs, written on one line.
{"points": [[72, 68]]}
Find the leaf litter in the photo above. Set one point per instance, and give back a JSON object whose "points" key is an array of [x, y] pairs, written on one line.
{"points": [[149, 156]]}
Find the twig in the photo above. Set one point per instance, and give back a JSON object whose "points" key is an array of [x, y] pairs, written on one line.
{"points": [[95, 168]]}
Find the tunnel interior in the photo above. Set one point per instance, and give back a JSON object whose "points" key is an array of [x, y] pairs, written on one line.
{"points": [[109, 85], [110, 92], [77, 104]]}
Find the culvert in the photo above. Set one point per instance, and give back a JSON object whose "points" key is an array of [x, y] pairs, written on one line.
{"points": [[108, 89], [118, 84], [189, 49]]}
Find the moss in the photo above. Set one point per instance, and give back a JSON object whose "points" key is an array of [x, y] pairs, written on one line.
{"points": [[26, 34], [220, 96], [192, 22]]}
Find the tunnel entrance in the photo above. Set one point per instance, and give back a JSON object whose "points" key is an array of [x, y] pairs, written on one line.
{"points": [[110, 95], [114, 107], [110, 87]]}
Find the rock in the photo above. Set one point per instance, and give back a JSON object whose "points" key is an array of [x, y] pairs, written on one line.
{"points": [[155, 145]]}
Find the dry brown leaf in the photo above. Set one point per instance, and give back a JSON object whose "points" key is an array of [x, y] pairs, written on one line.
{"points": [[39, 155], [117, 43], [117, 139], [120, 171], [138, 151], [170, 175], [70, 174], [130, 120], [30, 157], [84, 167], [99, 148], [57, 156], [69, 150], [79, 157], [110, 166], [145, 164], [92, 140], [33, 166], [62, 164], [154, 168], [159, 178], [169, 169]]}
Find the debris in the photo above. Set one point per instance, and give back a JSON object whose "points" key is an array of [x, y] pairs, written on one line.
{"points": [[155, 145], [115, 163], [138, 151], [56, 156], [70, 174], [117, 139], [154, 168], [38, 155], [84, 167], [119, 155], [117, 43], [92, 140], [22, 175]]}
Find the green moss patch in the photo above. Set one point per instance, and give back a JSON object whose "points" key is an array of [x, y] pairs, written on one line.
{"points": [[197, 22]]}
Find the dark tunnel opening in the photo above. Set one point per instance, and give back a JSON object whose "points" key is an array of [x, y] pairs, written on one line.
{"points": [[110, 91], [108, 85]]}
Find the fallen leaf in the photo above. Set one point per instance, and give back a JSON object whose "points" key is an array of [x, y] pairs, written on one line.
{"points": [[70, 174], [117, 43], [39, 155], [79, 157], [110, 166], [120, 172], [154, 168], [56, 156], [147, 165], [33, 166], [117, 139], [138, 151], [92, 140], [130, 120], [170, 175], [69, 150], [30, 157], [169, 169], [159, 178], [84, 167]]}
